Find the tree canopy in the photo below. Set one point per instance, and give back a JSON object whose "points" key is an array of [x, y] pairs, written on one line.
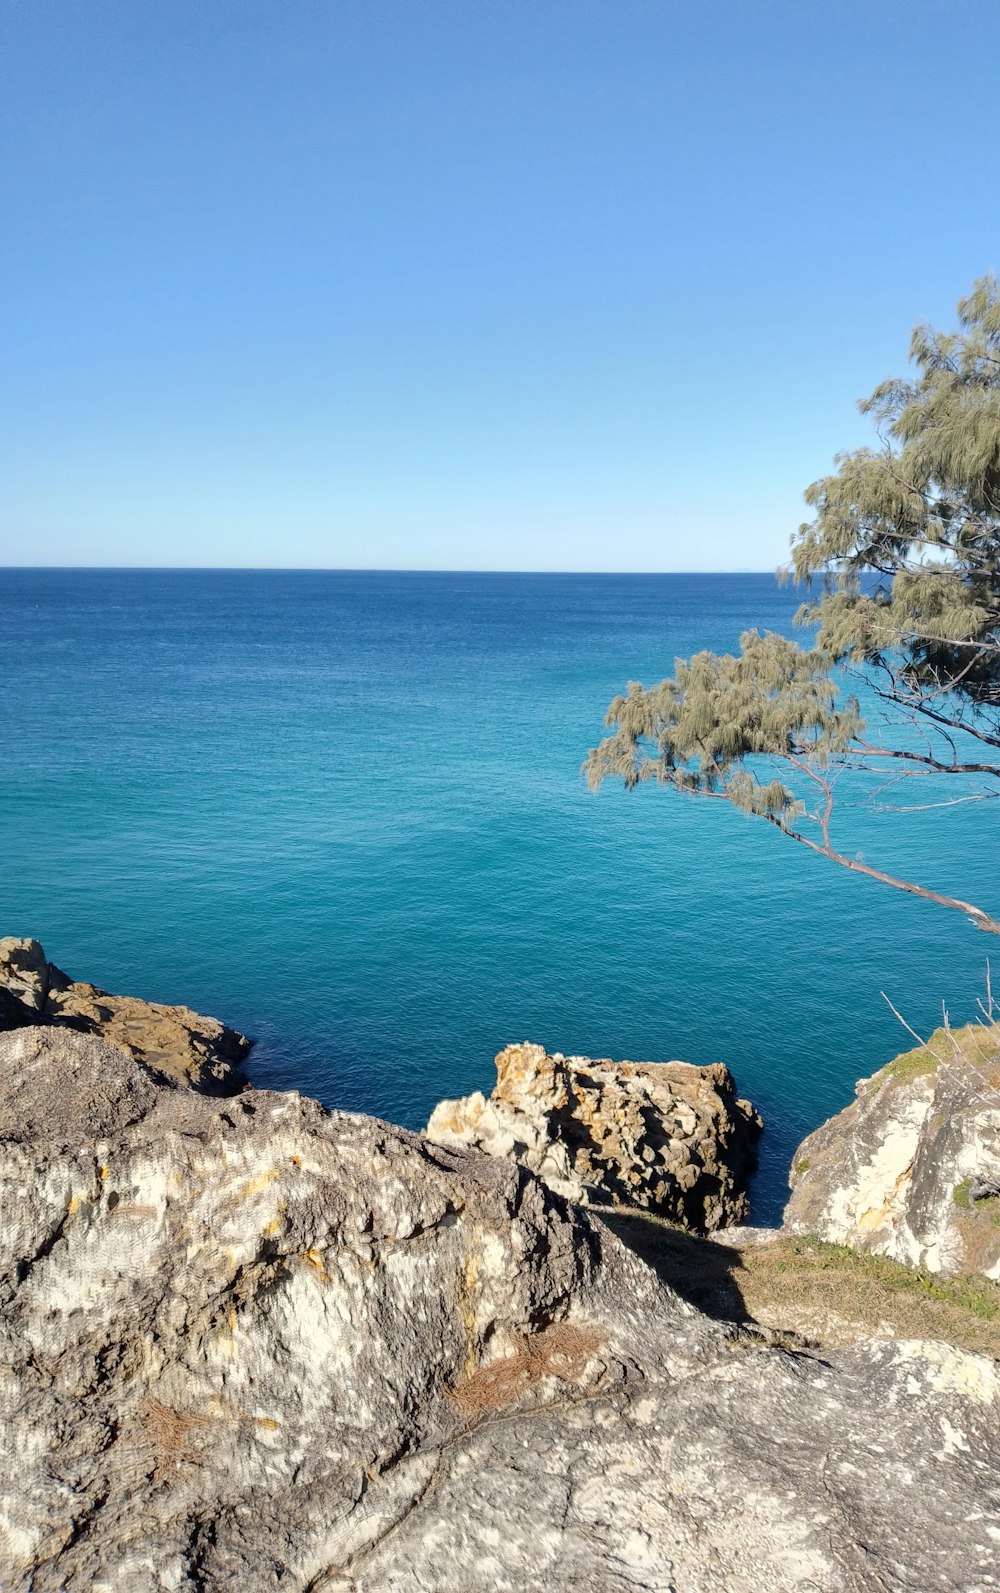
{"points": [[902, 563]]}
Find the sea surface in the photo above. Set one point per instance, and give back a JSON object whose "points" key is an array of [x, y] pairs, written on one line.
{"points": [[344, 812]]}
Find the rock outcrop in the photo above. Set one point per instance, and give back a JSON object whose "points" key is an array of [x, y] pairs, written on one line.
{"points": [[660, 1136], [181, 1046], [250, 1343], [911, 1170]]}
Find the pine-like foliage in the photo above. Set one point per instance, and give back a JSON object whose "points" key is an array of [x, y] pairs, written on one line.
{"points": [[904, 551]]}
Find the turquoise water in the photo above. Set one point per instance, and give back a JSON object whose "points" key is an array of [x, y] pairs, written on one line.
{"points": [[344, 812]]}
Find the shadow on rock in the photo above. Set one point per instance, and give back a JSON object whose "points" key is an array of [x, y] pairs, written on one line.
{"points": [[702, 1272]]}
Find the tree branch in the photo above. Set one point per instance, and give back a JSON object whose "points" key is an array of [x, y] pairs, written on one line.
{"points": [[865, 749], [980, 919], [920, 707]]}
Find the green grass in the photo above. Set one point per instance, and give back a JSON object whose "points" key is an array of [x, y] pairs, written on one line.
{"points": [[973, 1043], [913, 1064], [972, 1293]]}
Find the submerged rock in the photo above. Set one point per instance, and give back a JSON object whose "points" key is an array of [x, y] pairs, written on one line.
{"points": [[911, 1170], [665, 1137], [180, 1045], [250, 1343]]}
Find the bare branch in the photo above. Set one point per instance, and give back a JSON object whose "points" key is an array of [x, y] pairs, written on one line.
{"points": [[928, 807], [864, 749], [897, 1014], [981, 919], [920, 707]]}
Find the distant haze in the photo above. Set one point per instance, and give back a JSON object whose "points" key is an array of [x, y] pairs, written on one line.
{"points": [[495, 286]]}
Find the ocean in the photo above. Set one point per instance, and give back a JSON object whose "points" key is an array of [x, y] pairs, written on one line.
{"points": [[344, 812]]}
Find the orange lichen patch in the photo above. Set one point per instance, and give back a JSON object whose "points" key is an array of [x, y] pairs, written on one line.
{"points": [[255, 1185], [225, 1410], [315, 1260], [561, 1351], [296, 1161], [74, 1205], [103, 1173]]}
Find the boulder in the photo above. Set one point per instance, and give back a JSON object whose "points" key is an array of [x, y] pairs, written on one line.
{"points": [[251, 1343], [181, 1046], [665, 1137], [911, 1169]]}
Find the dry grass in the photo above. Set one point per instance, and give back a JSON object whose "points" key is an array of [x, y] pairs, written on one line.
{"points": [[561, 1350], [844, 1287], [169, 1433], [823, 1292]]}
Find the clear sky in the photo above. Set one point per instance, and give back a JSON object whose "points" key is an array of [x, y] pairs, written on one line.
{"points": [[481, 284]]}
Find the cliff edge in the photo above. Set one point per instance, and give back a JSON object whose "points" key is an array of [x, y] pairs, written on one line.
{"points": [[911, 1169], [180, 1046], [250, 1343]]}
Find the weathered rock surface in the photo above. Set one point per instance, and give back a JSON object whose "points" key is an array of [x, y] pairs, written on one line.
{"points": [[178, 1044], [906, 1170], [249, 1343], [662, 1136]]}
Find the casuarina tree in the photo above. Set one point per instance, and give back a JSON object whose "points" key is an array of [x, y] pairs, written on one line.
{"points": [[901, 561]]}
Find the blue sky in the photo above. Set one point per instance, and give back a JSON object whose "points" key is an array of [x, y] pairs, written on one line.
{"points": [[482, 284]]}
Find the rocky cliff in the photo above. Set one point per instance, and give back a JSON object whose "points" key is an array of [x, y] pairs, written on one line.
{"points": [[664, 1137], [179, 1045], [248, 1343], [911, 1169]]}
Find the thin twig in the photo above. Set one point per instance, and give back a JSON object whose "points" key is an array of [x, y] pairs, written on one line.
{"points": [[897, 1014]]}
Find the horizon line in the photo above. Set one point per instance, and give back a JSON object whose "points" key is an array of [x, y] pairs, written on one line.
{"points": [[348, 569]]}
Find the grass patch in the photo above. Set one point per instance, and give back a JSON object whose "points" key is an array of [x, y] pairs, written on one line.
{"points": [[972, 1293], [913, 1064], [960, 1194], [973, 1043], [824, 1292], [803, 1166]]}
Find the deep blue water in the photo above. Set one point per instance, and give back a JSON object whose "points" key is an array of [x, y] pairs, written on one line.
{"points": [[344, 812]]}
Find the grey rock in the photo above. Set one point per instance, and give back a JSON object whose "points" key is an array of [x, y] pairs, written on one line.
{"points": [[909, 1169], [181, 1046], [250, 1344], [665, 1137]]}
